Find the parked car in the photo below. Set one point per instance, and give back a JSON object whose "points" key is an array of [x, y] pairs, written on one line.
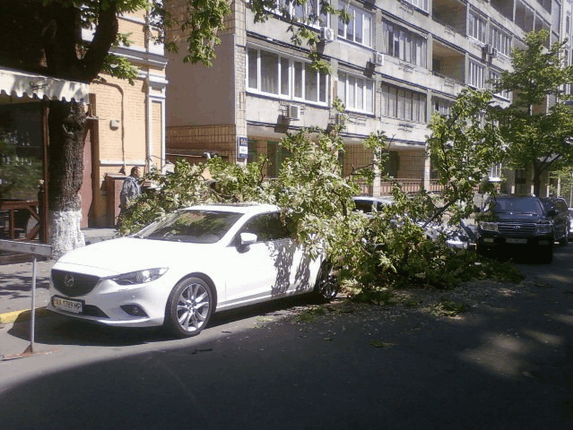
{"points": [[461, 236], [180, 270], [570, 223], [368, 204], [458, 237], [517, 221], [560, 218]]}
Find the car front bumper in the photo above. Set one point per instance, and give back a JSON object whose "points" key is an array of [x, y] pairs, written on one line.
{"points": [[487, 240], [113, 305]]}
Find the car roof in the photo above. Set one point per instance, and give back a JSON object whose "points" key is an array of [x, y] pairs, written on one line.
{"points": [[387, 200], [513, 196], [553, 199], [242, 208]]}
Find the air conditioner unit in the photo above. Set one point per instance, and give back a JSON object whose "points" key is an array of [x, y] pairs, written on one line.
{"points": [[327, 34], [490, 50], [293, 112], [378, 59]]}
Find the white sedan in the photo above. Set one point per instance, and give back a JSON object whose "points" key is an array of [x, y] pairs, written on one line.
{"points": [[178, 271]]}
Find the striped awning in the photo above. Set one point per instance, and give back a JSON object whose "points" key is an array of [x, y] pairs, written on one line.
{"points": [[18, 83]]}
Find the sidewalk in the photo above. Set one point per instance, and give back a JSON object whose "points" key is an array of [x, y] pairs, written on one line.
{"points": [[16, 280]]}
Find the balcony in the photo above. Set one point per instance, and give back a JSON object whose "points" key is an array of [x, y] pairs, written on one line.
{"points": [[447, 62], [451, 14], [504, 7]]}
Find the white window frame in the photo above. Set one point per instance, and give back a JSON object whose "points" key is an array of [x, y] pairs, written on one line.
{"points": [[359, 18], [476, 74], [494, 76], [500, 40], [404, 104], [404, 44], [477, 26], [442, 106], [303, 13], [420, 4], [286, 78], [356, 92]]}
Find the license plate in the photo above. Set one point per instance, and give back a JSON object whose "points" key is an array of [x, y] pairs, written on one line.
{"points": [[517, 241], [67, 305]]}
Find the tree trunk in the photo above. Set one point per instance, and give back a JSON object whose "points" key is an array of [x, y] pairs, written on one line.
{"points": [[536, 180], [66, 123]]}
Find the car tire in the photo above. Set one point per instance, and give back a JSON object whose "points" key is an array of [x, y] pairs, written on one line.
{"points": [[546, 254], [327, 285], [189, 307]]}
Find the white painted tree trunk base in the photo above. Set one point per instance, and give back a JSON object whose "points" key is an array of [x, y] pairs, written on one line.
{"points": [[65, 232]]}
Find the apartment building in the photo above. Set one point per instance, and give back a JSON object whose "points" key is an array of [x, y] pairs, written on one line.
{"points": [[393, 64]]}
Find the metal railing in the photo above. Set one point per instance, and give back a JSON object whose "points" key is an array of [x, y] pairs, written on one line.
{"points": [[409, 185]]}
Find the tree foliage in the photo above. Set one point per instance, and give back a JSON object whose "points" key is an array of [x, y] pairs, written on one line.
{"points": [[463, 146], [48, 37], [537, 125], [389, 248]]}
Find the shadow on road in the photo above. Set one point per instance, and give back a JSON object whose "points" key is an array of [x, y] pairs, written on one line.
{"points": [[55, 329], [507, 365]]}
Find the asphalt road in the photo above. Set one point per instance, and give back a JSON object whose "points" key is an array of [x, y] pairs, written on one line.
{"points": [[504, 366]]}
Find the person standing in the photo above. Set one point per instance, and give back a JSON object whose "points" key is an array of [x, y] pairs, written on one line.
{"points": [[130, 189]]}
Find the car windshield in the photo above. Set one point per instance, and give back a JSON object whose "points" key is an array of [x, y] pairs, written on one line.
{"points": [[193, 226], [515, 205]]}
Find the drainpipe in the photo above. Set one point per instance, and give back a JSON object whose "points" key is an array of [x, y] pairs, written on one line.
{"points": [[148, 105]]}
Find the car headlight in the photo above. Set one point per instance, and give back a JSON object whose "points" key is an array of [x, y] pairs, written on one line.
{"points": [[488, 226], [544, 228], [139, 277]]}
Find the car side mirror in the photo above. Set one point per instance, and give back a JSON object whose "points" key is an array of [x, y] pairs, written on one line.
{"points": [[551, 212], [247, 239]]}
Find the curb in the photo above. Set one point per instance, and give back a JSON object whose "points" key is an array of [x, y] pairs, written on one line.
{"points": [[23, 315]]}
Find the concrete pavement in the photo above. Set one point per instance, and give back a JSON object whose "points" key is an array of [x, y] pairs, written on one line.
{"points": [[16, 280]]}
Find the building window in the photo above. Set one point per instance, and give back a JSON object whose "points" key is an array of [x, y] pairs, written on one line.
{"points": [[496, 171], [442, 106], [21, 151], [420, 4], [404, 44], [494, 76], [359, 27], [309, 13], [500, 41], [477, 27], [403, 104], [284, 77], [357, 93], [476, 75]]}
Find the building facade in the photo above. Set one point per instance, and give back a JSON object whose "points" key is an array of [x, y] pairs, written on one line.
{"points": [[128, 123], [393, 64], [126, 128]]}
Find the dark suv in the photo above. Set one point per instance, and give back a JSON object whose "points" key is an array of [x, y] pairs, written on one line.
{"points": [[510, 221], [560, 217]]}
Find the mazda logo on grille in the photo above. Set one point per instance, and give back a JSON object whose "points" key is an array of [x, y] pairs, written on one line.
{"points": [[69, 281]]}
